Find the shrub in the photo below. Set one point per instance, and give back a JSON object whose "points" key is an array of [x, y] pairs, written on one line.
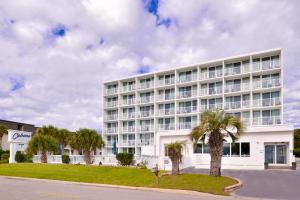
{"points": [[125, 158], [297, 152], [65, 159], [2, 152], [20, 157], [4, 158]]}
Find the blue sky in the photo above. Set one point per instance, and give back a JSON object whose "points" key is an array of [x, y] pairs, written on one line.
{"points": [[53, 60]]}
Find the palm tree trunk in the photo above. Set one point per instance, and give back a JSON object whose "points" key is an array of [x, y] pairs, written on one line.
{"points": [[43, 157], [216, 152], [87, 157], [175, 166]]}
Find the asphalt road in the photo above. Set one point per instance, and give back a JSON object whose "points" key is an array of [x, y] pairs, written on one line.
{"points": [[270, 184], [17, 189]]}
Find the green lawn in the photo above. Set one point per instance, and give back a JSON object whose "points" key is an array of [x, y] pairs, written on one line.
{"points": [[117, 176]]}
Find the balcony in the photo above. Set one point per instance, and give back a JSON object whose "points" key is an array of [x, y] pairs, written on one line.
{"points": [[187, 78], [203, 75], [187, 94], [166, 97], [111, 91], [109, 143], [215, 90], [166, 112], [146, 85], [111, 130], [145, 142], [233, 105], [232, 71], [127, 143], [128, 88], [237, 87], [165, 127], [111, 104], [111, 117], [215, 74], [148, 99], [190, 109], [266, 65], [128, 129], [187, 125], [246, 121], [146, 113], [267, 102], [128, 115], [271, 120], [166, 82], [127, 102], [216, 106], [203, 92], [146, 128], [267, 83]]}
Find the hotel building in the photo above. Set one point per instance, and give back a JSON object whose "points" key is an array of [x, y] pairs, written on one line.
{"points": [[144, 113]]}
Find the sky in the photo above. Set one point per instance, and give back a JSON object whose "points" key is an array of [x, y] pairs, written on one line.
{"points": [[55, 54]]}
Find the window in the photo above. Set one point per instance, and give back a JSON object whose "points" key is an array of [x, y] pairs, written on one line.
{"points": [[206, 148], [245, 149], [20, 127], [226, 149], [235, 149], [198, 148], [166, 150]]}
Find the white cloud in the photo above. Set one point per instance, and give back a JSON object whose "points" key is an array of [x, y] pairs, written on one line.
{"points": [[63, 75]]}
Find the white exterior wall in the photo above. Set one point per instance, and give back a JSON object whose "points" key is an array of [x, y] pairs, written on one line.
{"points": [[256, 133]]}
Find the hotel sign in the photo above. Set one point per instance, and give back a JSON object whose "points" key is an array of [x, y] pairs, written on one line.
{"points": [[19, 136]]}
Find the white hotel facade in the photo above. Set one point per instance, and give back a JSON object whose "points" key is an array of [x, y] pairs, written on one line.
{"points": [[143, 113]]}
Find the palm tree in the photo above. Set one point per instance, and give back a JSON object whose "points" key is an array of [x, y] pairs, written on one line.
{"points": [[174, 152], [216, 126], [63, 139], [86, 140], [43, 144], [3, 130]]}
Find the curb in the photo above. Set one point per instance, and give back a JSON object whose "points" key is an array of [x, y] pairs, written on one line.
{"points": [[236, 186], [174, 191]]}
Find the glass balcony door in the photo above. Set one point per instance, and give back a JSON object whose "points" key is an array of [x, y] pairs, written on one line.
{"points": [[276, 153]]}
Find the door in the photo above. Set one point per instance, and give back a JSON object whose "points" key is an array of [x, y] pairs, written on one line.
{"points": [[276, 153], [270, 154]]}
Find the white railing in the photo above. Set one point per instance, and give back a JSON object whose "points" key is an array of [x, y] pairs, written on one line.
{"points": [[128, 88], [245, 68], [127, 143], [237, 104], [265, 65], [166, 82], [111, 130], [215, 74], [233, 88], [147, 113], [267, 102], [129, 101], [215, 90], [163, 127], [111, 104], [203, 91], [145, 128], [111, 117], [272, 120], [187, 125], [148, 99], [110, 143], [186, 109], [165, 97], [203, 75], [232, 71], [212, 106], [128, 129], [128, 115], [111, 91], [187, 78], [145, 142], [187, 94], [77, 159], [268, 83], [146, 85], [246, 121], [203, 107], [163, 112]]}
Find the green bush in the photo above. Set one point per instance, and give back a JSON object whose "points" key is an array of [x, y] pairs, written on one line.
{"points": [[4, 158], [297, 152], [2, 152], [124, 158], [65, 159], [20, 157]]}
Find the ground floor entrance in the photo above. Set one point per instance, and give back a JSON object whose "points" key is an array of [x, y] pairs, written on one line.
{"points": [[276, 153]]}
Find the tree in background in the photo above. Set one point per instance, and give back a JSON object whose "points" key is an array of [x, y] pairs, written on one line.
{"points": [[42, 144], [174, 153], [86, 140], [216, 125], [3, 130]]}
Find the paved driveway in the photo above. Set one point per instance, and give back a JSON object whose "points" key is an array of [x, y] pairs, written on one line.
{"points": [[273, 184]]}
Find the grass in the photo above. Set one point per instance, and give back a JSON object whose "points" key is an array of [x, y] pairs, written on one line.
{"points": [[118, 176]]}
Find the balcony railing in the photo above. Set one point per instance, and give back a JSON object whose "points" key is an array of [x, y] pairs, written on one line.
{"points": [[237, 104], [166, 82], [215, 74], [267, 102], [145, 142], [164, 127], [111, 130], [215, 90], [111, 117], [215, 106], [128, 129], [128, 88], [203, 91], [111, 91], [164, 112], [165, 97], [145, 128], [127, 143], [187, 78], [189, 109], [203, 75], [128, 115], [187, 94], [187, 125], [246, 121], [268, 83], [272, 120], [232, 71], [111, 104], [265, 65], [146, 85], [148, 99], [146, 113], [127, 102]]}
